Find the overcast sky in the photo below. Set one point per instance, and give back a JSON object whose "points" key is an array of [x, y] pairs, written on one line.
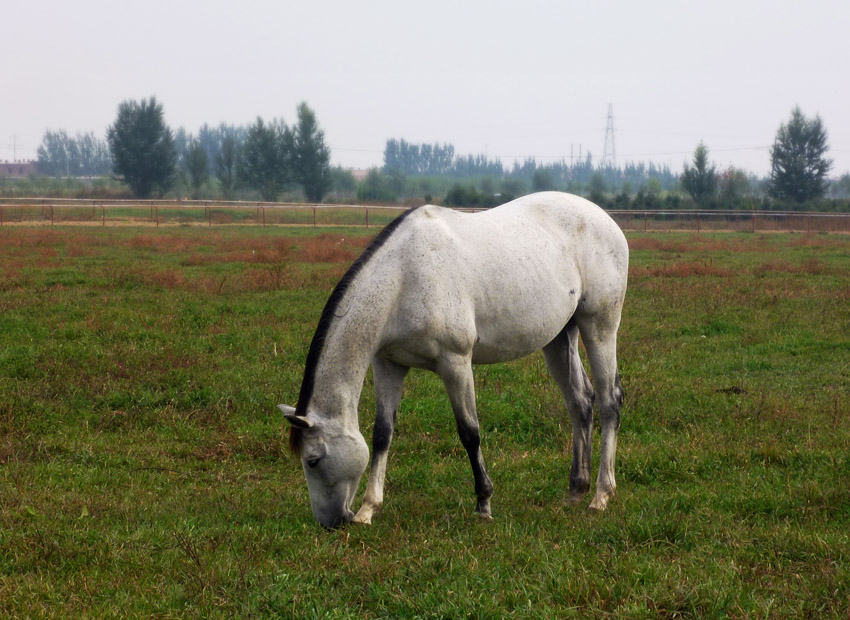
{"points": [[509, 79]]}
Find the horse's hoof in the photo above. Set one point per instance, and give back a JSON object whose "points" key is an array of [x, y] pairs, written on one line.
{"points": [[575, 499], [362, 519], [598, 504], [485, 514]]}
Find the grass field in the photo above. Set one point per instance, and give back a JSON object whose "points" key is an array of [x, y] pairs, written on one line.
{"points": [[143, 474]]}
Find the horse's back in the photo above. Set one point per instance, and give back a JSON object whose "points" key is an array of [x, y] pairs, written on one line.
{"points": [[551, 231], [506, 281]]}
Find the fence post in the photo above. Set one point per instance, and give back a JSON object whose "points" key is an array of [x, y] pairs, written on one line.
{"points": [[103, 215], [51, 215], [314, 217], [264, 217], [1, 215], [157, 216], [367, 217], [644, 221], [754, 220], [209, 215], [698, 227]]}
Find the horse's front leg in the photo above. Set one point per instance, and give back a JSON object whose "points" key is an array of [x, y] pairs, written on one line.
{"points": [[456, 373], [389, 380]]}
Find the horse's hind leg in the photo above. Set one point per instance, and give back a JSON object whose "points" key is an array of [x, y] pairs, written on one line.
{"points": [[599, 334], [456, 373], [389, 380], [564, 365]]}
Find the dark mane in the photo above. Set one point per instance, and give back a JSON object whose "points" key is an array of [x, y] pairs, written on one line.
{"points": [[327, 318]]}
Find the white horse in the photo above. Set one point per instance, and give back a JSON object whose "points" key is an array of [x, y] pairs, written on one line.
{"points": [[443, 290]]}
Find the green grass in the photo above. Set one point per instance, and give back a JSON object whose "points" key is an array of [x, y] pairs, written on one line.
{"points": [[143, 472]]}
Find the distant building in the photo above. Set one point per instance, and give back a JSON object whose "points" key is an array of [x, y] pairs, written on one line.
{"points": [[17, 169], [360, 174]]}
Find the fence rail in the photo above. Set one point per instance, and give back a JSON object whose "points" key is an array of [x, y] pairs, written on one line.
{"points": [[52, 211]]}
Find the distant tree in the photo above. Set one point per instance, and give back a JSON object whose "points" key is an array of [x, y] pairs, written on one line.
{"points": [[460, 195], [265, 163], [597, 187], [734, 185], [210, 139], [342, 182], [94, 155], [652, 187], [701, 181], [396, 182], [197, 167], [311, 156], [488, 185], [142, 147], [225, 165], [182, 140], [841, 187], [426, 159], [53, 156], [83, 155], [512, 188], [375, 188], [798, 166], [542, 180]]}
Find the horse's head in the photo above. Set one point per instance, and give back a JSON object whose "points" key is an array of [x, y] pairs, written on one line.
{"points": [[334, 457]]}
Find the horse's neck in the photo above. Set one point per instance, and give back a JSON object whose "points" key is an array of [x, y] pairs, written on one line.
{"points": [[350, 344]]}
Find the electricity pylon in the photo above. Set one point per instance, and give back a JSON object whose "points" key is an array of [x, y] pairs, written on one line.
{"points": [[609, 152]]}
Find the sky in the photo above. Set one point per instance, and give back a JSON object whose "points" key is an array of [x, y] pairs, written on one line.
{"points": [[508, 79]]}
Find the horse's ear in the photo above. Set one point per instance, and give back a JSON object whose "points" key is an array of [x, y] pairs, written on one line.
{"points": [[295, 420]]}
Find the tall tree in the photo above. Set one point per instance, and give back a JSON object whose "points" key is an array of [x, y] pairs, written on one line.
{"points": [[225, 165], [701, 181], [197, 166], [142, 147], [54, 155], [266, 160], [841, 187], [311, 157], [93, 154], [734, 185], [798, 163]]}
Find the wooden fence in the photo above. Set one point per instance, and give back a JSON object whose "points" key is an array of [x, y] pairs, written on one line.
{"points": [[53, 211]]}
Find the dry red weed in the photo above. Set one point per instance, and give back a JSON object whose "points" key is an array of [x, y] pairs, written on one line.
{"points": [[681, 270], [810, 266]]}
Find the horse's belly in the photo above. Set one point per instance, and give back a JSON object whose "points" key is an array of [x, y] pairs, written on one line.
{"points": [[519, 329]]}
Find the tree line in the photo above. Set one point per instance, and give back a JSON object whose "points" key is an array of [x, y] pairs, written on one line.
{"points": [[82, 155], [263, 159], [269, 158], [798, 177]]}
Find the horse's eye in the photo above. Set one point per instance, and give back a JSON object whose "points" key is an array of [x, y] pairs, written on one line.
{"points": [[312, 463]]}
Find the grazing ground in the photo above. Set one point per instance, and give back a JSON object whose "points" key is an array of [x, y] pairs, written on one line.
{"points": [[143, 473]]}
